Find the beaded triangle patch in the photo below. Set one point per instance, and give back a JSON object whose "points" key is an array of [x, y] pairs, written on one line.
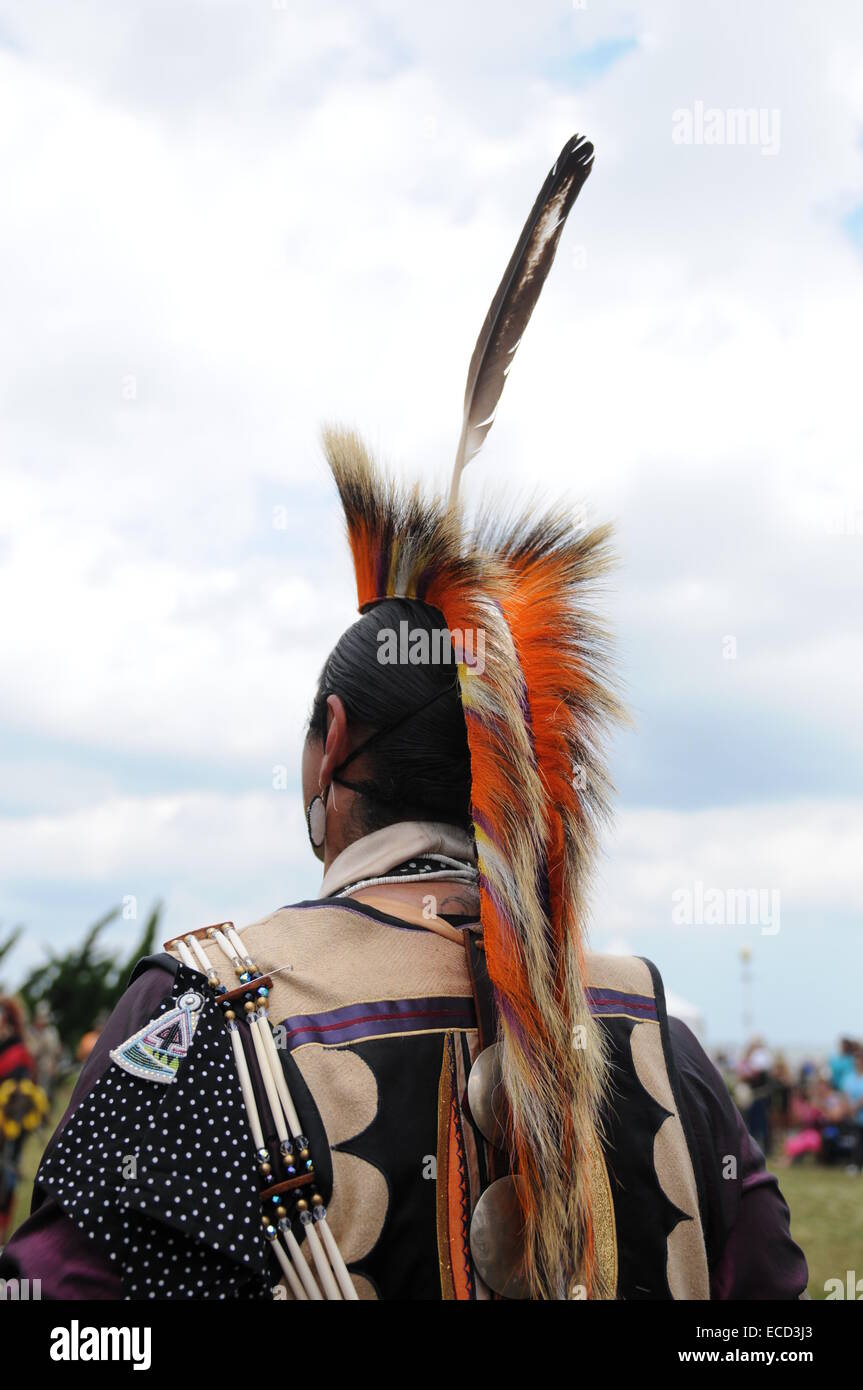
{"points": [[156, 1050]]}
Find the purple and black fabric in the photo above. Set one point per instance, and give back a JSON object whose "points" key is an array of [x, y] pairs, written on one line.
{"points": [[160, 1179], [750, 1253]]}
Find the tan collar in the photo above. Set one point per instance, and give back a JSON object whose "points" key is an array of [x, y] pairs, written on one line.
{"points": [[374, 855]]}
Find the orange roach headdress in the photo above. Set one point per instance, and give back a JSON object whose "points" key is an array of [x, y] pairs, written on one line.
{"points": [[536, 714]]}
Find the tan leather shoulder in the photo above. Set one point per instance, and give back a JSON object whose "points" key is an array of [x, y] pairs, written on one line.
{"points": [[628, 974], [327, 955]]}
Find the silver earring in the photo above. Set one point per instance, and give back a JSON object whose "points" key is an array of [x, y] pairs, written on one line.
{"points": [[316, 821]]}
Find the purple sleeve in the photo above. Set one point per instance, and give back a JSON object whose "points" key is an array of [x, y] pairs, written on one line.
{"points": [[760, 1260], [746, 1221], [50, 1250], [49, 1247]]}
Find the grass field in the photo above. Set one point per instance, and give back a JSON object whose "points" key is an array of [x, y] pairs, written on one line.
{"points": [[826, 1221], [826, 1208]]}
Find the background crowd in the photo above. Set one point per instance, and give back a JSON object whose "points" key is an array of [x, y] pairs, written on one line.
{"points": [[814, 1109]]}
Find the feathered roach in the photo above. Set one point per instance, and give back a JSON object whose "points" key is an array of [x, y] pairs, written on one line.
{"points": [[536, 719]]}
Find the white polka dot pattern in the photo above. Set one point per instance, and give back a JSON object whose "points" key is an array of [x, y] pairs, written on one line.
{"points": [[163, 1178]]}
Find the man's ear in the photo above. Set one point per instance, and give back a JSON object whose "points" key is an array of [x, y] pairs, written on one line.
{"points": [[337, 744]]}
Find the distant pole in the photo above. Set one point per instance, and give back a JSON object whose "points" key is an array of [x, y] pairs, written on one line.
{"points": [[746, 989]]}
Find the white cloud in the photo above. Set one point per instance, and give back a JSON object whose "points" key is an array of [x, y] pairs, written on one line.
{"points": [[810, 851], [207, 856], [250, 219], [191, 834]]}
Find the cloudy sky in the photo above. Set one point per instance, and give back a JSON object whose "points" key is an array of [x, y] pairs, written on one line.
{"points": [[224, 223]]}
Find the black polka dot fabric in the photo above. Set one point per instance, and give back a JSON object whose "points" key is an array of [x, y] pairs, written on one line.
{"points": [[163, 1176]]}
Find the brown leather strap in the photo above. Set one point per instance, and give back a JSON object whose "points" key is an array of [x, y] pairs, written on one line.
{"points": [[486, 1020], [483, 990], [395, 906]]}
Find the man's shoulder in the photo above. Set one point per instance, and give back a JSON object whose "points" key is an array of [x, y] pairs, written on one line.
{"points": [[325, 954], [258, 937], [626, 984]]}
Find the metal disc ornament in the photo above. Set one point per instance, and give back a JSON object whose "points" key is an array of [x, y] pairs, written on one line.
{"points": [[486, 1097], [497, 1239]]}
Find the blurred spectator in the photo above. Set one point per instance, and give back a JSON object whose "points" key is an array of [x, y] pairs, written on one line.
{"points": [[755, 1071], [826, 1120], [16, 1064], [15, 1057], [842, 1062], [780, 1102], [852, 1093], [46, 1047], [89, 1040]]}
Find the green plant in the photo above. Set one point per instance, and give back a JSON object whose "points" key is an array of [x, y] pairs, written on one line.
{"points": [[82, 985]]}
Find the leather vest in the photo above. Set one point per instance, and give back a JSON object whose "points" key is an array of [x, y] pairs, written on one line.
{"points": [[378, 1023]]}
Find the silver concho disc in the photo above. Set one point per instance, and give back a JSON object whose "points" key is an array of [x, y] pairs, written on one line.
{"points": [[497, 1239], [485, 1095]]}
